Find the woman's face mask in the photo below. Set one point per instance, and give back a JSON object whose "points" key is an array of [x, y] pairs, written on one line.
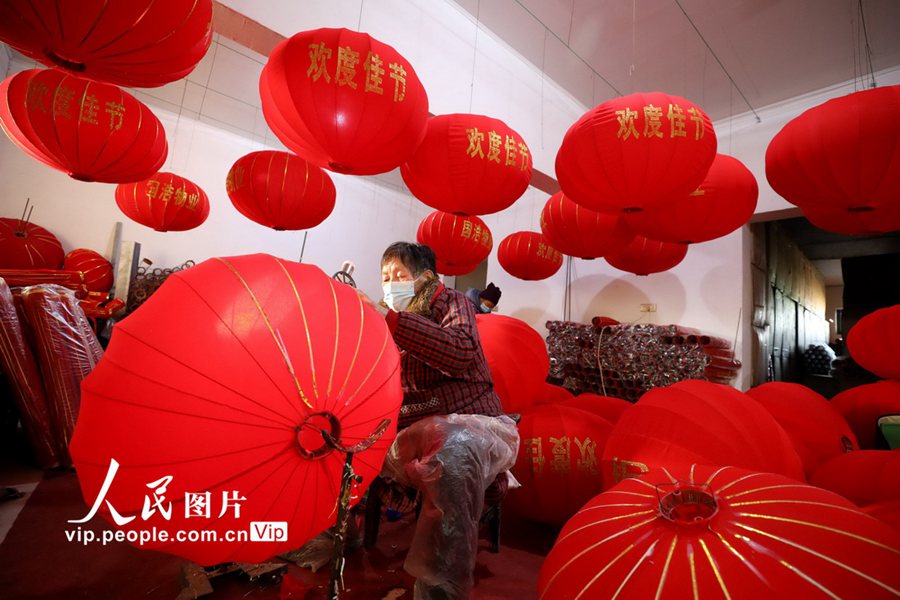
{"points": [[398, 294], [485, 308]]}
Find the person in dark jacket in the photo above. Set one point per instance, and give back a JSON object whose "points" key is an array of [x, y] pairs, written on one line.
{"points": [[485, 300]]}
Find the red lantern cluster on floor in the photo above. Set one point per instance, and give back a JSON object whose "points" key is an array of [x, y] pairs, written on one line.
{"points": [[91, 131], [580, 232], [97, 271], [140, 43], [165, 202], [527, 255], [863, 405], [280, 190], [343, 101], [643, 256], [28, 246], [874, 342], [459, 242]]}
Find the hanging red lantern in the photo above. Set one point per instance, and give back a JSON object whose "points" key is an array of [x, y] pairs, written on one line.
{"points": [[468, 164], [456, 240], [89, 130], [874, 342], [863, 405], [643, 256], [97, 271], [453, 269], [143, 43], [606, 157], [843, 154], [280, 190], [881, 219], [343, 101], [863, 477], [577, 231], [28, 246], [165, 202], [706, 532], [608, 407], [257, 357], [721, 204], [527, 255]]}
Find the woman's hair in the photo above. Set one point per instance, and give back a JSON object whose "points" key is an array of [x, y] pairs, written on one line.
{"points": [[418, 258]]}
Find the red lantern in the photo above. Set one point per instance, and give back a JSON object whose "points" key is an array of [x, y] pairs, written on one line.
{"points": [[887, 511], [862, 477], [527, 255], [448, 269], [468, 164], [608, 407], [97, 272], [549, 393], [343, 101], [721, 204], [280, 190], [28, 246], [874, 342], [607, 157], [705, 532], [91, 131], [843, 154], [643, 256], [457, 241], [165, 202], [143, 43], [881, 219], [577, 231], [863, 405], [256, 357]]}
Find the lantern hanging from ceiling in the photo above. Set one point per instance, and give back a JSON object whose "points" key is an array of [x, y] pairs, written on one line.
{"points": [[457, 241], [89, 130], [881, 219], [843, 154], [165, 202], [863, 405], [527, 255], [343, 101], [96, 270], [874, 342], [453, 269], [468, 164], [863, 477], [28, 246], [632, 152], [721, 204], [580, 232], [280, 190], [643, 256]]}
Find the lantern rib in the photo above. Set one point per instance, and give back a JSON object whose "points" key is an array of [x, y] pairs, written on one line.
{"points": [[730, 547], [337, 340], [312, 363], [715, 568], [803, 502], [375, 363], [126, 30], [821, 527], [361, 403], [722, 489], [666, 566], [631, 573], [350, 368], [630, 515]]}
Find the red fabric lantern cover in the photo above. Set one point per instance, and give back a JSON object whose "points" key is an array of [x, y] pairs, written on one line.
{"points": [[632, 152], [97, 271], [863, 405], [165, 202], [887, 511], [558, 462], [468, 164], [549, 393], [705, 532], [517, 357], [816, 428], [280, 190], [343, 101], [89, 130], [28, 246], [843, 154], [577, 231], [698, 421], [448, 269], [141, 43], [456, 240], [608, 407], [874, 342], [881, 219], [643, 256], [257, 357], [527, 255], [862, 477], [721, 204]]}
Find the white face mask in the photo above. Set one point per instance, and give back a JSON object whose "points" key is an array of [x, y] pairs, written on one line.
{"points": [[485, 308], [398, 294]]}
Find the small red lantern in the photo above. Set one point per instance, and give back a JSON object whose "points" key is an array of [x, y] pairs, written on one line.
{"points": [[863, 405], [343, 101], [643, 256], [28, 246], [280, 190], [527, 255], [165, 202], [97, 271], [91, 131], [874, 342], [632, 152], [456, 240], [577, 231], [468, 164], [863, 477]]}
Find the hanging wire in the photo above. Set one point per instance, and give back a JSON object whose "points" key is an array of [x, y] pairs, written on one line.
{"points": [[870, 69], [567, 296], [303, 247], [475, 53], [359, 21]]}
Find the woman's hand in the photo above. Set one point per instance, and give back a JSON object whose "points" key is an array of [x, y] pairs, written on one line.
{"points": [[381, 308]]}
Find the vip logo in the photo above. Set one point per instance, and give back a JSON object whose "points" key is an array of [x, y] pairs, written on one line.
{"points": [[268, 531]]}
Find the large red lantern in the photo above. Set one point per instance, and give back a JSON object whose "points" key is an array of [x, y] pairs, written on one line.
{"points": [[577, 231], [142, 43], [862, 477], [280, 190], [343, 101], [527, 255], [721, 204], [457, 241], [874, 342], [705, 532], [881, 219], [632, 152], [843, 154], [96, 270], [643, 256], [468, 164], [445, 268], [863, 405], [165, 202], [28, 246], [608, 407], [257, 357], [89, 130]]}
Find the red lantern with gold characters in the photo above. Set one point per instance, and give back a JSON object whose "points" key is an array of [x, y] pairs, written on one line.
{"points": [[580, 232], [643, 256], [343, 101], [457, 241], [91, 131], [280, 190], [97, 271], [468, 164], [527, 255], [632, 152], [165, 202], [28, 246]]}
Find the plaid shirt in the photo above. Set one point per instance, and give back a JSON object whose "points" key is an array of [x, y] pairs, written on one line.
{"points": [[443, 366]]}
